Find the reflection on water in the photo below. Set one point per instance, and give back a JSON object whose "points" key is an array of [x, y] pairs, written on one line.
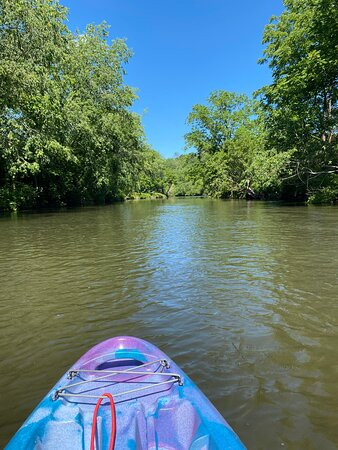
{"points": [[242, 295]]}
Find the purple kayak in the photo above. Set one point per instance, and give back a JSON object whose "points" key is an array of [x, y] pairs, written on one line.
{"points": [[156, 405]]}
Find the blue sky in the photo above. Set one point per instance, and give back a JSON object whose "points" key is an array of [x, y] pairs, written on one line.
{"points": [[183, 49]]}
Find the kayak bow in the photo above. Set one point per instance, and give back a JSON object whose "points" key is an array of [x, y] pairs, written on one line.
{"points": [[153, 405]]}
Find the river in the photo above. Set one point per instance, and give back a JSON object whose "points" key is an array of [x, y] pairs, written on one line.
{"points": [[242, 295]]}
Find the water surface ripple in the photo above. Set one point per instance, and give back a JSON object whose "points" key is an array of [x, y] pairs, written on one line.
{"points": [[242, 295]]}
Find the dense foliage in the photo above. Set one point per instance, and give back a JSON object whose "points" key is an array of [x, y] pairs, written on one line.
{"points": [[301, 103], [186, 176], [285, 146], [67, 135], [229, 138], [162, 177]]}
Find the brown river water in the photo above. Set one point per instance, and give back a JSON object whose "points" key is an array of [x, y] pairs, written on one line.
{"points": [[242, 295]]}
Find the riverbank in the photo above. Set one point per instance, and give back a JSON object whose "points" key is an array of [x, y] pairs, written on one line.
{"points": [[158, 196]]}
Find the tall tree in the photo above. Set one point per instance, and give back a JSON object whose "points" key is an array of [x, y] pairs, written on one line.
{"points": [[105, 137], [33, 40], [67, 134], [229, 138], [301, 103], [214, 124]]}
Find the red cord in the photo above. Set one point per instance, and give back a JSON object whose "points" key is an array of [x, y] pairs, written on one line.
{"points": [[113, 423]]}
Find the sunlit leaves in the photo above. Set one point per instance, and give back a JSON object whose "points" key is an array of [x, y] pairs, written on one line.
{"points": [[229, 137], [301, 103], [65, 125]]}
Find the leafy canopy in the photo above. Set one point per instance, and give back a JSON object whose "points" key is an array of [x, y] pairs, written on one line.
{"points": [[229, 137], [67, 134], [301, 103]]}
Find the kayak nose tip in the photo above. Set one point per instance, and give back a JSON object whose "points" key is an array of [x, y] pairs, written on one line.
{"points": [[132, 343]]}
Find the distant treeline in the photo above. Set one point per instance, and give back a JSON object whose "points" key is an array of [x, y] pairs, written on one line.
{"points": [[68, 136]]}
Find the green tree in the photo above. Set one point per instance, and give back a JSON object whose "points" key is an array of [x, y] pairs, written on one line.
{"points": [[229, 136], [67, 135], [106, 138], [301, 103], [214, 125], [186, 177], [33, 38], [153, 177]]}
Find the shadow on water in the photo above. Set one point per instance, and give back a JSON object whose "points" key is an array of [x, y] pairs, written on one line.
{"points": [[241, 294]]}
